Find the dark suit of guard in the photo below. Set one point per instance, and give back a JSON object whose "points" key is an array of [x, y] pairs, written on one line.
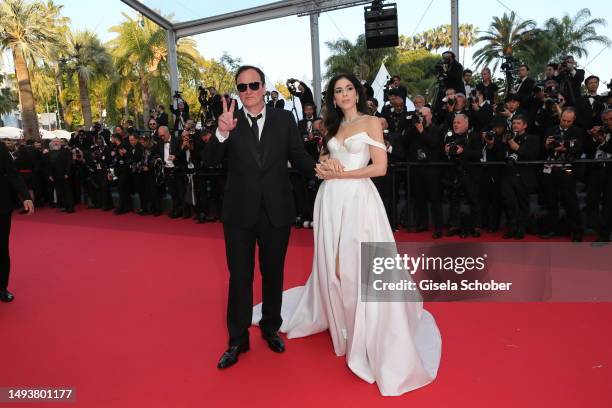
{"points": [[11, 185]]}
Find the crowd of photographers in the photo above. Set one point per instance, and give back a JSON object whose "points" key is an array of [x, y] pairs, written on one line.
{"points": [[466, 148]]}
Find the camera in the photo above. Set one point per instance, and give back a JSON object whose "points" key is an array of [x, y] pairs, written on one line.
{"points": [[440, 70], [490, 135], [453, 148], [177, 95], [292, 85], [558, 141], [416, 117]]}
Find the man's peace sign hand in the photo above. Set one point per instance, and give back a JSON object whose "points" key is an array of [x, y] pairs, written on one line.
{"points": [[227, 122]]}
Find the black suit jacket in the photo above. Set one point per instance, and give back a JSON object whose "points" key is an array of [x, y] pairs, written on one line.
{"points": [[175, 149], [257, 172], [526, 89], [529, 150], [11, 183], [279, 104]]}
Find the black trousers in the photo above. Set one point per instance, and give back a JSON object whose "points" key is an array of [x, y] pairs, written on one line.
{"points": [[300, 196], [465, 188], [560, 186], [240, 251], [5, 260], [599, 191], [427, 189], [516, 202], [490, 190], [126, 187], [63, 188], [175, 183]]}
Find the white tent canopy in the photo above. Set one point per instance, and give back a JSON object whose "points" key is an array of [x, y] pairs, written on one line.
{"points": [[378, 85], [45, 134], [62, 134], [9, 132]]}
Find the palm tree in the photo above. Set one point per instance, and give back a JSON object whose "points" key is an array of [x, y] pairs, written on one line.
{"points": [[28, 30], [505, 37], [467, 34], [356, 58], [88, 59], [573, 34], [140, 52]]}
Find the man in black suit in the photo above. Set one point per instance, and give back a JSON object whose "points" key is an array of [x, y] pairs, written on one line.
{"points": [[274, 102], [524, 85], [453, 73], [519, 181], [258, 206], [11, 183], [168, 149]]}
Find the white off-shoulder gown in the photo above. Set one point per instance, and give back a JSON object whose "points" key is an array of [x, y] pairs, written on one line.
{"points": [[395, 344]]}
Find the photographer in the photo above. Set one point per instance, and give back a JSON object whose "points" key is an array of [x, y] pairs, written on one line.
{"points": [[274, 102], [462, 147], [215, 108], [524, 85], [300, 90], [97, 164], [455, 105], [519, 180], [207, 185], [551, 103], [153, 130], [487, 87], [373, 107], [127, 161], [590, 106], [489, 183], [60, 171], [599, 181], [186, 168], [168, 150], [509, 109], [395, 82], [467, 81], [161, 117], [80, 140], [305, 124], [452, 72], [425, 145], [180, 109], [481, 110], [563, 143], [570, 78]]}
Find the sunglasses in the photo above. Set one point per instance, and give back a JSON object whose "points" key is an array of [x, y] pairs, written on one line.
{"points": [[252, 85]]}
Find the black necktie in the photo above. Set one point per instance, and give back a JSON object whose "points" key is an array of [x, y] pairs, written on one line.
{"points": [[254, 126]]}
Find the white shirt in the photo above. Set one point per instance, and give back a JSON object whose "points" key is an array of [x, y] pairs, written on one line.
{"points": [[260, 123], [168, 163]]}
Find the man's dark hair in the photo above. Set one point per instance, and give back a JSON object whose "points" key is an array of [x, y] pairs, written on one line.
{"points": [[569, 109], [591, 77], [522, 118], [394, 77], [467, 71], [374, 101], [553, 65], [161, 107], [307, 104], [243, 68], [524, 65], [395, 92]]}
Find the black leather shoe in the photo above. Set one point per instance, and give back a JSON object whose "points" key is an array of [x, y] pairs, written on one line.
{"points": [[547, 235], [437, 234], [451, 232], [519, 234], [509, 234], [275, 343], [577, 236], [476, 233], [6, 296], [230, 357]]}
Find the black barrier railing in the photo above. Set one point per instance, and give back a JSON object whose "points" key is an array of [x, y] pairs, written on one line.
{"points": [[405, 166]]}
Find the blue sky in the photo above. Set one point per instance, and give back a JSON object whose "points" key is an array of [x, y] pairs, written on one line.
{"points": [[282, 47]]}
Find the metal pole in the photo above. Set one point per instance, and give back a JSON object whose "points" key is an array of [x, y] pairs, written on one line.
{"points": [[316, 59], [455, 27], [172, 61]]}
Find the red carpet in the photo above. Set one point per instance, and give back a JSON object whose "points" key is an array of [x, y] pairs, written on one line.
{"points": [[130, 311]]}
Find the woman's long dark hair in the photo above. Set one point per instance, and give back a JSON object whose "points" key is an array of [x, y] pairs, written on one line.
{"points": [[334, 115]]}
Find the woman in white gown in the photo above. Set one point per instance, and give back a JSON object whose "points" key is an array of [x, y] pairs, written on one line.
{"points": [[395, 344]]}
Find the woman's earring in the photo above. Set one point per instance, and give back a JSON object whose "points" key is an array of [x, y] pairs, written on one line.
{"points": [[357, 100], [335, 105]]}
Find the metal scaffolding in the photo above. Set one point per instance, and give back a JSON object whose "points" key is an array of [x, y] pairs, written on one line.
{"points": [[265, 12]]}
